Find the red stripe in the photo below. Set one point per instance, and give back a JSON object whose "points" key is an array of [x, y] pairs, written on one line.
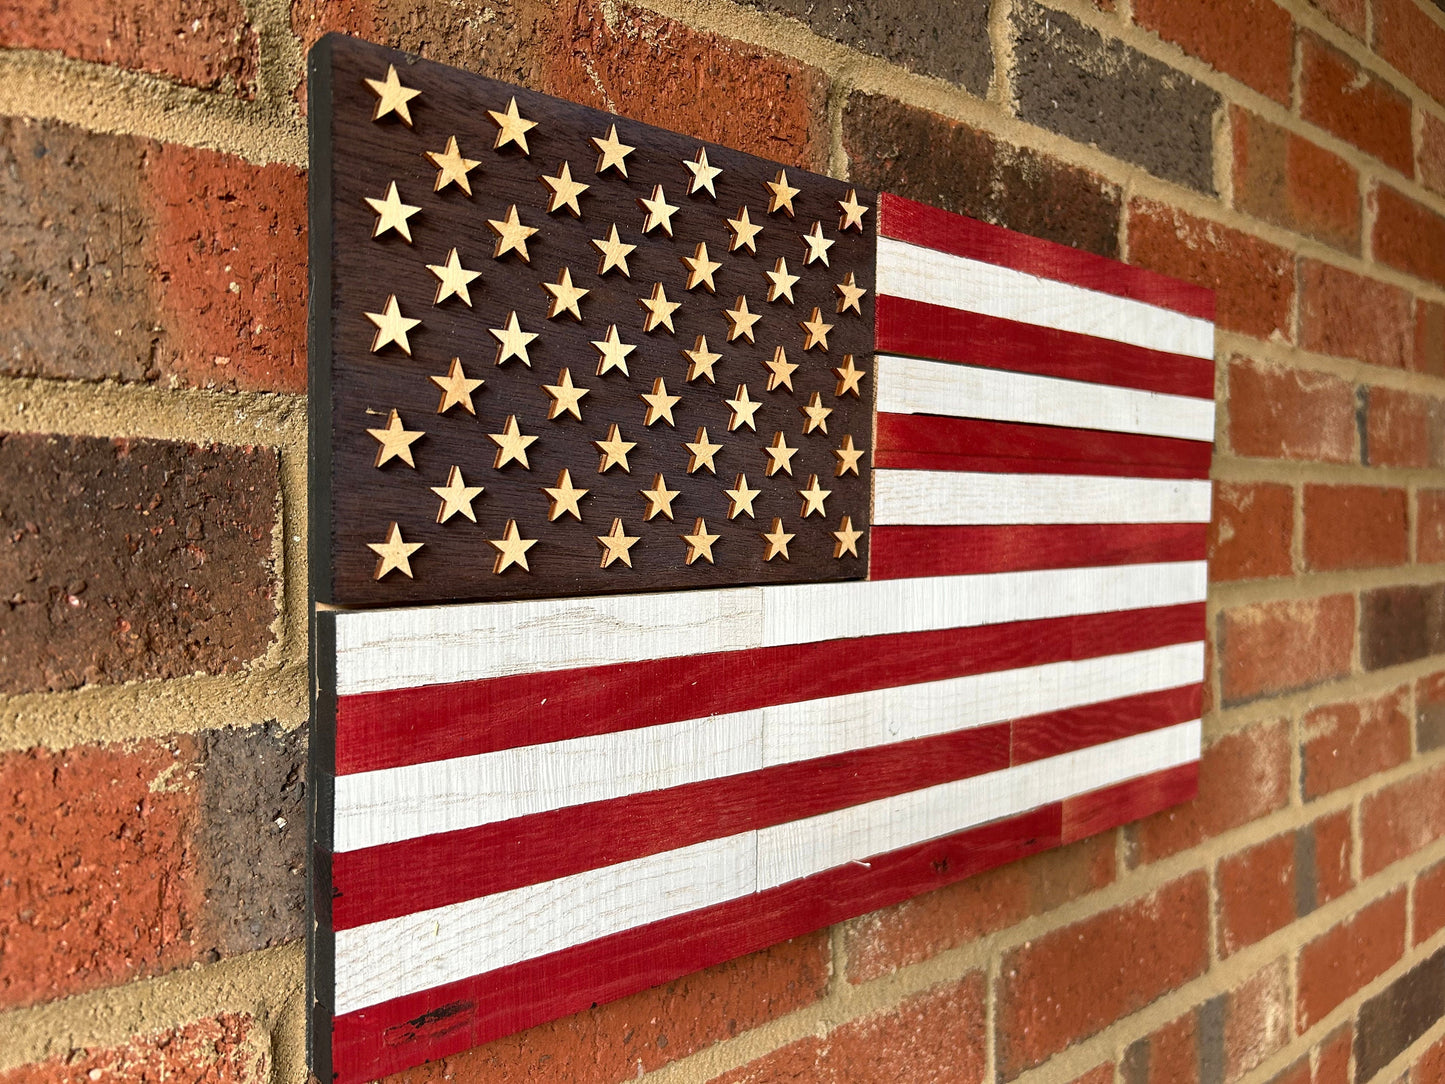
{"points": [[1092, 813], [935, 442], [920, 224], [1057, 732], [900, 552], [436, 722], [918, 329]]}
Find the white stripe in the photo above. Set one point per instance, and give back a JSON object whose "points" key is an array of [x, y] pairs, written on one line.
{"points": [[394, 649], [399, 956], [392, 804], [915, 386], [936, 498], [940, 278]]}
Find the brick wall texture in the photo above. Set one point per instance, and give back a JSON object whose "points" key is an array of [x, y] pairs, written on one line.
{"points": [[1287, 927]]}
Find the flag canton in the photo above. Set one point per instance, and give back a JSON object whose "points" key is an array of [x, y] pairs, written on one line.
{"points": [[574, 354]]}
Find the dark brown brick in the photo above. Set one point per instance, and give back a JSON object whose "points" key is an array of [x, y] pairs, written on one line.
{"points": [[1069, 79], [1398, 1015], [924, 156], [1401, 624], [132, 559]]}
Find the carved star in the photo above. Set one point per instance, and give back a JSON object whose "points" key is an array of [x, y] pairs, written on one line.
{"points": [[780, 194], [703, 174], [848, 378], [700, 269], [565, 296], [780, 283], [511, 235], [614, 451], [392, 97], [850, 294], [847, 538], [563, 497], [614, 253], [511, 549], [564, 191], [391, 326], [456, 389], [451, 167], [659, 498], [740, 320], [853, 212], [456, 497], [777, 540], [815, 415], [701, 452], [780, 370], [817, 331], [700, 360], [511, 444], [391, 213], [512, 127], [817, 245], [611, 152], [513, 341], [780, 456], [453, 279], [848, 457], [744, 233], [813, 497], [659, 310], [659, 403], [699, 543], [616, 544], [743, 410], [396, 441], [566, 397], [395, 552], [612, 352], [740, 498], [659, 211]]}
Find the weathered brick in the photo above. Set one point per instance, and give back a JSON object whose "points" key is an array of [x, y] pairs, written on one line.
{"points": [[1345, 743], [1432, 152], [1360, 108], [1429, 338], [1257, 1020], [1428, 903], [1277, 647], [1252, 532], [1430, 713], [1430, 1069], [1399, 428], [1283, 178], [1346, 14], [1330, 846], [1353, 316], [229, 1048], [1252, 40], [1069, 79], [1298, 1073], [923, 156], [1398, 1015], [1400, 819], [1337, 963], [1257, 893], [1253, 280], [1409, 236], [1401, 624], [1167, 1056], [1355, 527], [1073, 981], [1413, 42], [1278, 413]]}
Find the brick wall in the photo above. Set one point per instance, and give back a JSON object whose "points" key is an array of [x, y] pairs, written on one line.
{"points": [[1286, 927]]}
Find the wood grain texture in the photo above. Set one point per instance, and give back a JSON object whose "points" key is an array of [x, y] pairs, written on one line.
{"points": [[1089, 814], [938, 498]]}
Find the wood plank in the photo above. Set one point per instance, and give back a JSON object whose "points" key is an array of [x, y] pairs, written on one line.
{"points": [[1089, 814], [1052, 734]]}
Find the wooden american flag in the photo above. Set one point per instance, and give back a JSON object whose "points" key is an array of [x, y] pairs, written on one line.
{"points": [[634, 759]]}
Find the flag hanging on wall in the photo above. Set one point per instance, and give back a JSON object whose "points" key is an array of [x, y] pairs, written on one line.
{"points": [[705, 551]]}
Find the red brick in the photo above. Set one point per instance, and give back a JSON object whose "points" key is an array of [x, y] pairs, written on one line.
{"points": [[1398, 427], [1334, 845], [1400, 819], [1430, 713], [1332, 1058], [1099, 1074], [1290, 414], [1409, 236], [1430, 1069], [1429, 338], [936, 1037], [1073, 981], [1168, 1056], [1413, 42], [1277, 647], [1347, 14], [1283, 178], [1337, 963], [1355, 527], [1360, 108], [1432, 152], [1257, 1019], [926, 925], [1252, 40], [1252, 279], [224, 1049], [1353, 316], [1243, 775], [1252, 533], [1429, 903], [211, 45], [1345, 743], [1256, 893]]}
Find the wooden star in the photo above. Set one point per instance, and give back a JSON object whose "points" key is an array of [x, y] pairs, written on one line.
{"points": [[451, 167], [511, 444], [659, 310], [456, 497], [740, 498], [777, 540], [817, 245], [391, 326], [563, 497], [703, 174], [659, 498], [848, 457], [565, 296], [740, 320], [817, 331], [396, 441], [614, 451], [511, 549], [701, 452], [392, 97], [847, 538], [699, 543], [612, 352], [659, 211], [780, 456], [611, 152], [745, 234], [853, 212], [659, 403], [511, 235], [456, 389], [780, 283], [616, 544], [700, 269], [815, 415], [395, 552], [848, 378], [564, 191], [780, 194], [391, 213], [743, 410], [566, 397], [512, 127], [813, 497], [453, 280], [614, 253], [780, 370], [850, 294], [700, 360], [513, 341]]}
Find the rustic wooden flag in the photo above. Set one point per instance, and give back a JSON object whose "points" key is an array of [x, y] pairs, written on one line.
{"points": [[706, 551]]}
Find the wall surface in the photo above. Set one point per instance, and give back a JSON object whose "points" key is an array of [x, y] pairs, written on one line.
{"points": [[1288, 926]]}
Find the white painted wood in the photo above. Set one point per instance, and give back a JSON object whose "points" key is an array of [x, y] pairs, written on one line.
{"points": [[916, 386], [965, 498], [940, 278]]}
